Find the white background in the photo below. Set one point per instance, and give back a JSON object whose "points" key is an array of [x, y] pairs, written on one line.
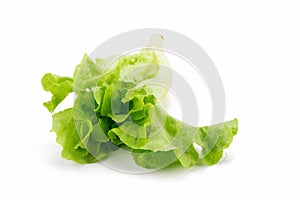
{"points": [[255, 46]]}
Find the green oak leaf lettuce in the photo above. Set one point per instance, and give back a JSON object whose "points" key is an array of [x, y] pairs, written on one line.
{"points": [[119, 103]]}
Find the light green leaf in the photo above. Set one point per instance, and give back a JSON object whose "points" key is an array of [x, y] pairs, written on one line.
{"points": [[87, 74], [214, 139], [59, 86], [67, 137], [189, 158], [153, 160]]}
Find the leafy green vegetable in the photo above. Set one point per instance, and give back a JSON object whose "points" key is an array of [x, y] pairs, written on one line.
{"points": [[119, 103]]}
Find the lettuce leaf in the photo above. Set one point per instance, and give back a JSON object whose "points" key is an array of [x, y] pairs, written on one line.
{"points": [[214, 139], [59, 86], [64, 127]]}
